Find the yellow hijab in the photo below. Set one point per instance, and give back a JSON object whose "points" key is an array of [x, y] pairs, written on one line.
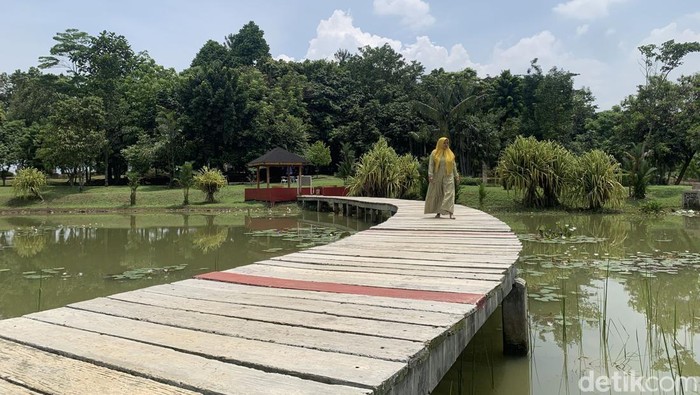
{"points": [[441, 152]]}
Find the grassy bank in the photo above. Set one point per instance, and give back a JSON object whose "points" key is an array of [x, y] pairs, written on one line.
{"points": [[59, 197], [668, 197]]}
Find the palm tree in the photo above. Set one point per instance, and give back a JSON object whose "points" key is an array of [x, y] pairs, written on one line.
{"points": [[446, 107]]}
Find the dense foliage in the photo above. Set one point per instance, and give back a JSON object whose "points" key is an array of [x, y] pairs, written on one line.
{"points": [[113, 110], [381, 172]]}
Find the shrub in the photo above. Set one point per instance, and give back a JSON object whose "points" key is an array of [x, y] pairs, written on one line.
{"points": [[29, 182], [595, 181], [651, 207], [209, 181], [382, 173], [482, 194], [470, 181], [535, 169]]}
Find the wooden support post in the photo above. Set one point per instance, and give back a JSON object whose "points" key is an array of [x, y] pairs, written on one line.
{"points": [[515, 329], [318, 206], [335, 208]]}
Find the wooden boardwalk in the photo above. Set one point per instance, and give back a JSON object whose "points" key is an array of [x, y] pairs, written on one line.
{"points": [[387, 310]]}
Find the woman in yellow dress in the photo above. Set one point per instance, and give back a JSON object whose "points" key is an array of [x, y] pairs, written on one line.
{"points": [[442, 174]]}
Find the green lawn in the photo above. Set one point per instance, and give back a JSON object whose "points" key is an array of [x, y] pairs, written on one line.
{"points": [[62, 197], [497, 199]]}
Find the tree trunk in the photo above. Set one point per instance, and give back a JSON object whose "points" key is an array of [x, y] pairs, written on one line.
{"points": [[132, 197], [684, 168], [106, 167]]}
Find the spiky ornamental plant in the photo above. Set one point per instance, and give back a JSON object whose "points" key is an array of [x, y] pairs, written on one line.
{"points": [[382, 173], [595, 181], [209, 181], [535, 169], [29, 182]]}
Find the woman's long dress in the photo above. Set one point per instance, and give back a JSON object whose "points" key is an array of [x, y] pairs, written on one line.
{"points": [[441, 192]]}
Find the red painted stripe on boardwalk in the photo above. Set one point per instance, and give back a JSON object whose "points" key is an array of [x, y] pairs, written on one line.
{"points": [[274, 282]]}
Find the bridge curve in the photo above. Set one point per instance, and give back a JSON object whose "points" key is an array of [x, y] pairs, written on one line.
{"points": [[384, 311]]}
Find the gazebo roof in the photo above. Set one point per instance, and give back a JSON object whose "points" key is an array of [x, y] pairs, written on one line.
{"points": [[278, 157]]}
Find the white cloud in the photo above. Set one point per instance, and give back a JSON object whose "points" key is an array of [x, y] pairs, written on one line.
{"points": [[284, 57], [611, 31], [581, 30], [413, 13], [338, 32], [550, 52], [433, 56], [585, 9], [671, 32]]}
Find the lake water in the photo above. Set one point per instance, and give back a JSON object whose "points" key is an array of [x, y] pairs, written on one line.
{"points": [[608, 295], [51, 261], [610, 298]]}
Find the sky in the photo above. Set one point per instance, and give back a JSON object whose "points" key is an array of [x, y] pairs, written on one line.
{"points": [[597, 39]]}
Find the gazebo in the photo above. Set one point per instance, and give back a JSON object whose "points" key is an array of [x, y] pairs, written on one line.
{"points": [[277, 157]]}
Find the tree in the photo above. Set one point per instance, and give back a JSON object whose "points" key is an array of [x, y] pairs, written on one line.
{"points": [[106, 63], [319, 154], [669, 55], [186, 181], [169, 135], [452, 104], [75, 136], [688, 118], [69, 52], [248, 47], [347, 162], [140, 158]]}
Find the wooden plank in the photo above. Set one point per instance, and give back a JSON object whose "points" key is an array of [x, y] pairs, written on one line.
{"points": [[373, 279], [235, 296], [394, 330], [466, 265], [348, 343], [394, 264], [55, 374], [501, 261], [322, 366], [338, 267], [403, 304], [162, 364], [9, 388]]}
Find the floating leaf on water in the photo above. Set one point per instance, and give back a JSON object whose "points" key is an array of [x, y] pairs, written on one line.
{"points": [[36, 276], [273, 249]]}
